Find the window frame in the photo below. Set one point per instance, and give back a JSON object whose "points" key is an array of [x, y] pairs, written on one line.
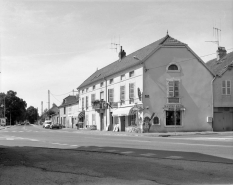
{"points": [[131, 74], [111, 81], [87, 99], [173, 71], [111, 99], [226, 88], [122, 100], [173, 91], [131, 99], [122, 77], [101, 92]]}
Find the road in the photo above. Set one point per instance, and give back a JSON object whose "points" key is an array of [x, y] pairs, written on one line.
{"points": [[202, 158]]}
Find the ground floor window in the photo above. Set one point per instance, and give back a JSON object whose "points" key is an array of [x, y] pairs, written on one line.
{"points": [[173, 118], [132, 120]]}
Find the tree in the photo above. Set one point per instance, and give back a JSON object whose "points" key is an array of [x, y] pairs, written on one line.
{"points": [[32, 114], [15, 107]]}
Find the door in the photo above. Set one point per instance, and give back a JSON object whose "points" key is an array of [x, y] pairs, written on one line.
{"points": [[122, 123], [101, 121], [111, 122]]}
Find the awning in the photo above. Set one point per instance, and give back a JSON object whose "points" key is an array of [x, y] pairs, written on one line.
{"points": [[122, 111], [81, 114]]}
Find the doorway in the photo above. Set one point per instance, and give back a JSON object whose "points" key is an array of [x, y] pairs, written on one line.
{"points": [[122, 123], [101, 121]]}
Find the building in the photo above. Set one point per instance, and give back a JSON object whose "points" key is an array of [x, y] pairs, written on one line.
{"points": [[55, 116], [222, 66], [69, 111], [162, 87]]}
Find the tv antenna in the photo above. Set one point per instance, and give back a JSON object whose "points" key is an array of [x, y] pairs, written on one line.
{"points": [[115, 45], [217, 35]]}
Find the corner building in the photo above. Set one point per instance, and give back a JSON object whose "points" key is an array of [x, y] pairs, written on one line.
{"points": [[163, 87]]}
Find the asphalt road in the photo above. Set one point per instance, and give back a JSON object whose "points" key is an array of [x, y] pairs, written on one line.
{"points": [[118, 157]]}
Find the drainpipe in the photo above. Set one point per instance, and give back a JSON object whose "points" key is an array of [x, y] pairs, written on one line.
{"points": [[212, 91], [106, 100]]}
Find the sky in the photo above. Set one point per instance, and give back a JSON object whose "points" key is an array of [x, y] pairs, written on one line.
{"points": [[56, 44]]}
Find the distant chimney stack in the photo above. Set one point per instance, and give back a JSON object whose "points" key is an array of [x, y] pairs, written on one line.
{"points": [[122, 54], [221, 52]]}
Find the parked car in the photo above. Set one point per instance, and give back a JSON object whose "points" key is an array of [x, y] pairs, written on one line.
{"points": [[47, 124], [55, 125]]}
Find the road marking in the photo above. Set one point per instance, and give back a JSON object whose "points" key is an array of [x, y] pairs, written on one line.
{"points": [[59, 144], [229, 138], [127, 152], [124, 140], [174, 157], [10, 139], [74, 145], [148, 154], [110, 150]]}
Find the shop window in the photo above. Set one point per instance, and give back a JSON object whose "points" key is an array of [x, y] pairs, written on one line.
{"points": [[173, 118], [132, 120]]}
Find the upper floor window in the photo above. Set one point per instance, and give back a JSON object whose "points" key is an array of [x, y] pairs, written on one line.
{"points": [[111, 81], [86, 102], [64, 110], [92, 97], [110, 95], [122, 77], [82, 103], [86, 89], [122, 94], [101, 84], [83, 91], [102, 95], [131, 93], [131, 73], [93, 87], [173, 91], [173, 68], [226, 87]]}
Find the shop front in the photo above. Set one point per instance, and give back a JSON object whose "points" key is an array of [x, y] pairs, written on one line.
{"points": [[81, 119]]}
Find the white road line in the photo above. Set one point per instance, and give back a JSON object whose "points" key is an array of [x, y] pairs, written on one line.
{"points": [[124, 139], [174, 157], [59, 144], [74, 145], [148, 154], [127, 152]]}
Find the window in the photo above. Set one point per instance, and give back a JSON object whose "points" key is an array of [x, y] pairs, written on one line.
{"points": [[86, 89], [110, 81], [93, 87], [82, 103], [156, 120], [122, 77], [101, 84], [92, 97], [131, 73], [83, 91], [173, 68], [131, 93], [173, 118], [110, 95], [102, 95], [64, 110], [93, 119], [122, 94], [226, 87], [173, 91], [86, 102]]}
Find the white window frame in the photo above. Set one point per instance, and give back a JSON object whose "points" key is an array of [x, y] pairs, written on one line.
{"points": [[122, 102], [171, 90], [123, 77], [226, 86], [131, 74], [173, 71], [111, 95], [93, 119], [131, 98]]}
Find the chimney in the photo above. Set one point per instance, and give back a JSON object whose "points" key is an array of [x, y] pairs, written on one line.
{"points": [[221, 52], [122, 54]]}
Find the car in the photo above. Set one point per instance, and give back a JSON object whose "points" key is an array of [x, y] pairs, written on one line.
{"points": [[55, 125], [47, 124]]}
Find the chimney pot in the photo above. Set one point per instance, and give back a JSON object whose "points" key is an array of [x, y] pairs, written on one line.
{"points": [[221, 52]]}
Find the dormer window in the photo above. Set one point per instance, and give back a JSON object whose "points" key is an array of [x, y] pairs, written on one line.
{"points": [[173, 68], [110, 81]]}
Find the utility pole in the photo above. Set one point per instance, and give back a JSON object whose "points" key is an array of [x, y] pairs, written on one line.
{"points": [[41, 107], [48, 99]]}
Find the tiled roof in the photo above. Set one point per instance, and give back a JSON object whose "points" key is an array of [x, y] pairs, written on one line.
{"points": [[129, 61], [221, 66], [69, 100]]}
